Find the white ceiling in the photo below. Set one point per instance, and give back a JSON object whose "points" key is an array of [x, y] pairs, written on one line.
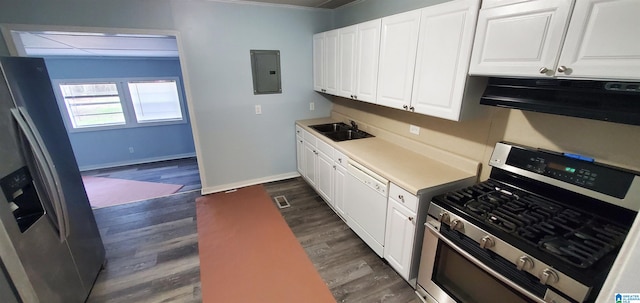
{"points": [[94, 44], [49, 43]]}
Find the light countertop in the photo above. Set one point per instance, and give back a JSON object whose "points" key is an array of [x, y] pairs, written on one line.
{"points": [[409, 170]]}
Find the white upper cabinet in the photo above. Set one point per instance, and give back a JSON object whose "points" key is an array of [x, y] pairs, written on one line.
{"points": [[367, 54], [358, 52], [444, 50], [603, 40], [318, 62], [325, 62], [521, 39], [596, 39], [331, 47], [398, 43], [347, 61]]}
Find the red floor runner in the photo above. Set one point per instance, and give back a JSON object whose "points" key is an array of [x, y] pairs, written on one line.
{"points": [[249, 254]]}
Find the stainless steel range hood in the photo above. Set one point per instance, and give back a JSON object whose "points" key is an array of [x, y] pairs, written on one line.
{"points": [[612, 101]]}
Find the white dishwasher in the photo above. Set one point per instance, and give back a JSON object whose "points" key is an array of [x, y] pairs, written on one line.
{"points": [[366, 205]]}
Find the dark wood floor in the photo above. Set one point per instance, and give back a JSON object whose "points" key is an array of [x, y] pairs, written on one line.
{"points": [[153, 251], [180, 171]]}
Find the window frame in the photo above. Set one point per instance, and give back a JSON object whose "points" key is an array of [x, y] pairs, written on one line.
{"points": [[122, 85]]}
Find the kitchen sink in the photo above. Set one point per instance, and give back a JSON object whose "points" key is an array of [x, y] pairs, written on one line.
{"points": [[331, 127], [340, 131]]}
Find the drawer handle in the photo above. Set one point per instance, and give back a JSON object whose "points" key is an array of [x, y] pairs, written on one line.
{"points": [[401, 197]]}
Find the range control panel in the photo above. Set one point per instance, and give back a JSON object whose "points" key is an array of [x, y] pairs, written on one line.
{"points": [[582, 173]]}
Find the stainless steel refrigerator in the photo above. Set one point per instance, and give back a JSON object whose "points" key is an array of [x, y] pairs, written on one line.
{"points": [[50, 246]]}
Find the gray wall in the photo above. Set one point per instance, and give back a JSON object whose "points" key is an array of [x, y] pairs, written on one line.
{"points": [[234, 146]]}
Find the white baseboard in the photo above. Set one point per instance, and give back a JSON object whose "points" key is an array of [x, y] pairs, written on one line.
{"points": [[137, 161], [230, 186]]}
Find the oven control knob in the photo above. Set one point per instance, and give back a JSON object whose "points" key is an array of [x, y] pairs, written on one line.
{"points": [[456, 224], [487, 242], [524, 263], [548, 277], [444, 218]]}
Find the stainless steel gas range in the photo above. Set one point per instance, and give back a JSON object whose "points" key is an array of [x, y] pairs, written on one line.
{"points": [[545, 227]]}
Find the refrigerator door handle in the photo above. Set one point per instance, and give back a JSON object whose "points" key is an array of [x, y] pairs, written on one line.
{"points": [[51, 177]]}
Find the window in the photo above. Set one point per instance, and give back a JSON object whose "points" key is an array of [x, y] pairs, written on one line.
{"points": [[119, 103], [155, 101], [90, 105]]}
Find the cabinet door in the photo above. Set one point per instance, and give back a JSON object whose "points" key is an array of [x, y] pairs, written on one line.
{"points": [[367, 53], [300, 155], [318, 62], [347, 61], [331, 50], [398, 43], [400, 232], [324, 181], [521, 39], [309, 159], [444, 51], [603, 40], [339, 181]]}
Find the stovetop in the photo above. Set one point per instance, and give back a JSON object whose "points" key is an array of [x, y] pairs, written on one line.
{"points": [[571, 235]]}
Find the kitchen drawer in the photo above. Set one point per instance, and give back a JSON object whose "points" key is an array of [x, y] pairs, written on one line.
{"points": [[299, 131], [403, 197], [325, 148], [340, 158], [309, 137]]}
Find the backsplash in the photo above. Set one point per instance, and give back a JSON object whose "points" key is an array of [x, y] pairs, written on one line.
{"points": [[610, 143]]}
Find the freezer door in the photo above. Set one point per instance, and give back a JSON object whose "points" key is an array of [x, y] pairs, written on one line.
{"points": [[7, 289], [39, 264], [30, 84]]}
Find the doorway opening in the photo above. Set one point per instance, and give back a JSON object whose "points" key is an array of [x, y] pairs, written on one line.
{"points": [[123, 99]]}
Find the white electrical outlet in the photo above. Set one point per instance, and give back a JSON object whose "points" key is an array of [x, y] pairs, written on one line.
{"points": [[414, 129], [131, 150], [258, 109], [312, 106]]}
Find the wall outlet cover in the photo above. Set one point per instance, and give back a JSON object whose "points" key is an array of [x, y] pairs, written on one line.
{"points": [[414, 129], [258, 109], [312, 106]]}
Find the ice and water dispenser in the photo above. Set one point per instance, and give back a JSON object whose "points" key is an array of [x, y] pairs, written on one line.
{"points": [[20, 192]]}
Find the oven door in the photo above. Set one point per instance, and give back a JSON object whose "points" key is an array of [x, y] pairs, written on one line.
{"points": [[450, 274]]}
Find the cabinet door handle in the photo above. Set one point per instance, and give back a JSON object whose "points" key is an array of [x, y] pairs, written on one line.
{"points": [[401, 197], [405, 106], [340, 160], [543, 70], [355, 97], [413, 109], [334, 167], [562, 69], [410, 219]]}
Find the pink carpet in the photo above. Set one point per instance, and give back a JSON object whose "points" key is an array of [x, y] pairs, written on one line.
{"points": [[105, 192]]}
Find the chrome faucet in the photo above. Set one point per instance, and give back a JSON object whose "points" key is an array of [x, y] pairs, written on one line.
{"points": [[354, 126]]}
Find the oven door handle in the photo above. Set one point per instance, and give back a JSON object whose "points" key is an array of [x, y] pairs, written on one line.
{"points": [[483, 266]]}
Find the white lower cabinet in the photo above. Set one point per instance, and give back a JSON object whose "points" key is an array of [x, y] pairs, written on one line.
{"points": [[323, 167], [310, 164], [339, 184], [399, 236], [324, 180]]}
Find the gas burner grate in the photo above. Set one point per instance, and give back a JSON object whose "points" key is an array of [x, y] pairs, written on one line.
{"points": [[575, 237]]}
